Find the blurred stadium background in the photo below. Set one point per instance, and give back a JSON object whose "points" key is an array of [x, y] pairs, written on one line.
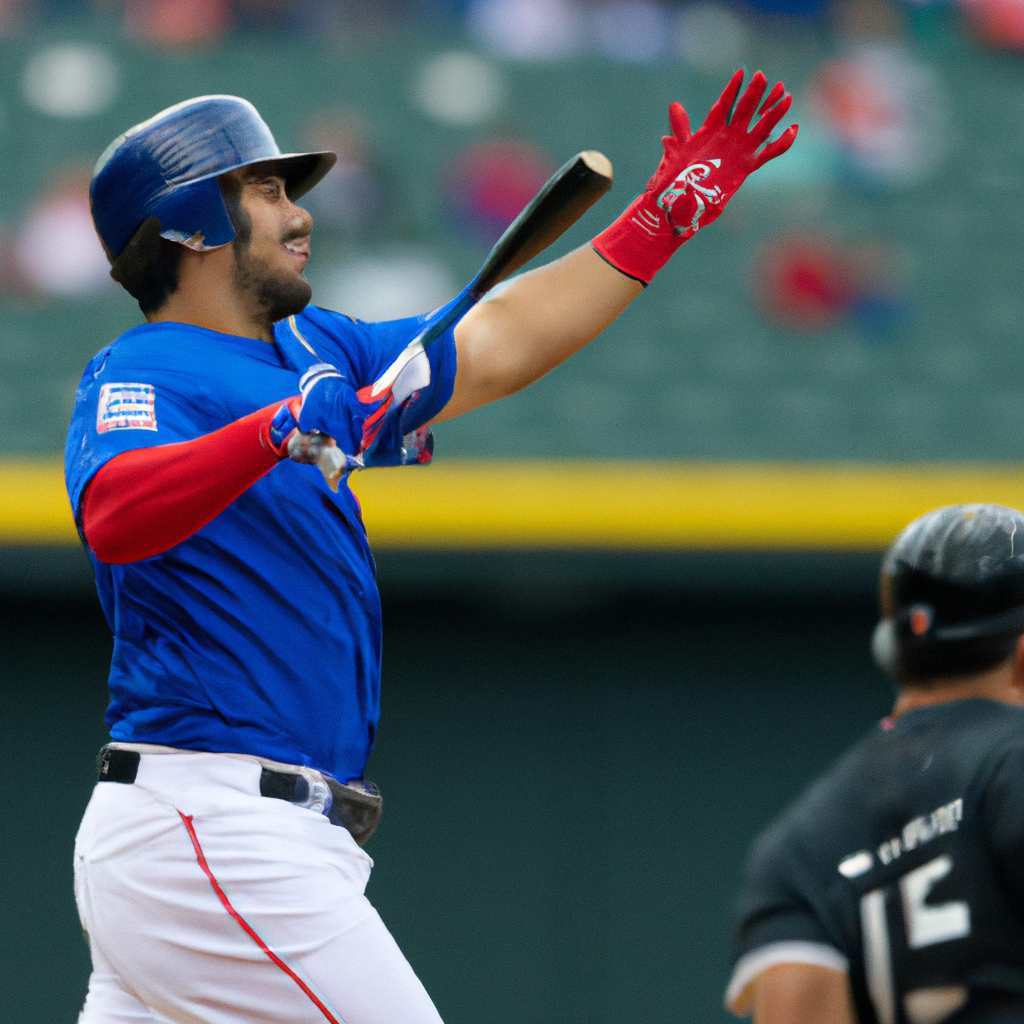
{"points": [[627, 610]]}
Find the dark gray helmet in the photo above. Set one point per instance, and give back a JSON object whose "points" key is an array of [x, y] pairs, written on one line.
{"points": [[952, 593]]}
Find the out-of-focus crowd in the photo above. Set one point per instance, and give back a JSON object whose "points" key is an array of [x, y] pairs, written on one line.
{"points": [[871, 109], [630, 30]]}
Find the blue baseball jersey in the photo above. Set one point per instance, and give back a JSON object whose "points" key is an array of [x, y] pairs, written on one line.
{"points": [[261, 633]]}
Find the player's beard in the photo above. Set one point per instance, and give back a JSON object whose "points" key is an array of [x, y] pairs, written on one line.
{"points": [[274, 295]]}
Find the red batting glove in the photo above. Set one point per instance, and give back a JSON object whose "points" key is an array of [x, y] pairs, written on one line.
{"points": [[697, 176]]}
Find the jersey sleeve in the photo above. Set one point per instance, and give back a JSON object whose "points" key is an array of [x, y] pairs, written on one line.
{"points": [[1003, 814], [422, 381], [776, 922], [120, 407]]}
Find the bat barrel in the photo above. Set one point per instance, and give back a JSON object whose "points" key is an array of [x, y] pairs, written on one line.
{"points": [[565, 197]]}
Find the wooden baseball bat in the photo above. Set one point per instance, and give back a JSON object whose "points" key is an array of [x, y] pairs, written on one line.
{"points": [[562, 200]]}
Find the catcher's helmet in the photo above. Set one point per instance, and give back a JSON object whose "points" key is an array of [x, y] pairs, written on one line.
{"points": [[167, 168], [952, 593]]}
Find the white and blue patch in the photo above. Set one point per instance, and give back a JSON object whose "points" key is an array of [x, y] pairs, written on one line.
{"points": [[126, 407]]}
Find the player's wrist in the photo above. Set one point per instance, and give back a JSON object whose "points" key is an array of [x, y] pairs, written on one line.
{"points": [[280, 424], [640, 241]]}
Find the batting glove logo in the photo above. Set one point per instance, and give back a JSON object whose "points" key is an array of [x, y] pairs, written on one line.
{"points": [[647, 221], [690, 181]]}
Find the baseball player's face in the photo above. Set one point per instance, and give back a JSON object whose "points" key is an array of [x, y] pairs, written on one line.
{"points": [[272, 241]]}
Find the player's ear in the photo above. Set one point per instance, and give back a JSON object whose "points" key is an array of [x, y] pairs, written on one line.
{"points": [[1018, 669]]}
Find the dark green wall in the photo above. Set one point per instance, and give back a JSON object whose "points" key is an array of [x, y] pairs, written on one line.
{"points": [[568, 794]]}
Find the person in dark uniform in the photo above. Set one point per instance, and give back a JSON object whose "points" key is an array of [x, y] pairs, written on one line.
{"points": [[892, 890]]}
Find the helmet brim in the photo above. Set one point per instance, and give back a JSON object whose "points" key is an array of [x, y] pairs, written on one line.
{"points": [[301, 171], [304, 171]]}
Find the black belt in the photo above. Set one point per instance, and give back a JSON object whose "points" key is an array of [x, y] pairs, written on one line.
{"points": [[355, 805]]}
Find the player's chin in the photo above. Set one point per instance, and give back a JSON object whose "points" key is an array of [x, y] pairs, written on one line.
{"points": [[286, 296]]}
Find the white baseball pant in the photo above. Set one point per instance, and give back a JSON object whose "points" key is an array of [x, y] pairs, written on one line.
{"points": [[206, 903]]}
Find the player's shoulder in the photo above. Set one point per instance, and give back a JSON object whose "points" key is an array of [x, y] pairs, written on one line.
{"points": [[323, 319], [894, 767], [972, 734], [819, 823], [149, 346], [996, 717], [357, 346], [324, 334], [319, 319], [995, 741]]}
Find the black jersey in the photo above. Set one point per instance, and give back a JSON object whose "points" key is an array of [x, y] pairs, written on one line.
{"points": [[903, 864]]}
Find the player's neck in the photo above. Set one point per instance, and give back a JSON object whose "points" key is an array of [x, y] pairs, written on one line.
{"points": [[1000, 684], [208, 296]]}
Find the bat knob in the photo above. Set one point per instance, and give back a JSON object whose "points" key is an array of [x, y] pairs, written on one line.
{"points": [[332, 463]]}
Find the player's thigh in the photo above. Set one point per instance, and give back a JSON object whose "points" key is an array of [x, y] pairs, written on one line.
{"points": [[108, 1001], [254, 912], [313, 928], [367, 977]]}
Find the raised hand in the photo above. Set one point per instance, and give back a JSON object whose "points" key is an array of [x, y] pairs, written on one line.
{"points": [[699, 173]]}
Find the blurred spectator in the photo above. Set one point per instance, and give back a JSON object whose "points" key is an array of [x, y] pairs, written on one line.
{"points": [[811, 283], [711, 37], [803, 283], [70, 80], [528, 29], [632, 31], [487, 185], [174, 24], [393, 283], [999, 23], [792, 8], [56, 251], [13, 16], [459, 88], [351, 199], [271, 15], [885, 109], [880, 20]]}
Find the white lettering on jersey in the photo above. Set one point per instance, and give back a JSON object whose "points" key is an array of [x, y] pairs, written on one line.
{"points": [[922, 830], [856, 864], [877, 957], [924, 924], [928, 924]]}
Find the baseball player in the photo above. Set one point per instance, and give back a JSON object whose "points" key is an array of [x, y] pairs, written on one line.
{"points": [[892, 891], [219, 869]]}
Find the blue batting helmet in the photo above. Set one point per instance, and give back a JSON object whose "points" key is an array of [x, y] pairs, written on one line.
{"points": [[167, 168]]}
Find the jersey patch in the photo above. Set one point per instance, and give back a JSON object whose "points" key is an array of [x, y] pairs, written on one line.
{"points": [[126, 407]]}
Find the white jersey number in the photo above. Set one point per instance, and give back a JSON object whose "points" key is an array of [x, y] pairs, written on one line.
{"points": [[924, 923]]}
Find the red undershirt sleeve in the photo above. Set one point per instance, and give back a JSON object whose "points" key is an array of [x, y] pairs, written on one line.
{"points": [[144, 501]]}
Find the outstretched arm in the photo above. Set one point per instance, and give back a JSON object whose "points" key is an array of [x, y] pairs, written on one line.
{"points": [[544, 316], [536, 322]]}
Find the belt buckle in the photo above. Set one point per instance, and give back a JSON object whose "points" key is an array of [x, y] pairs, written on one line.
{"points": [[304, 787], [317, 796]]}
